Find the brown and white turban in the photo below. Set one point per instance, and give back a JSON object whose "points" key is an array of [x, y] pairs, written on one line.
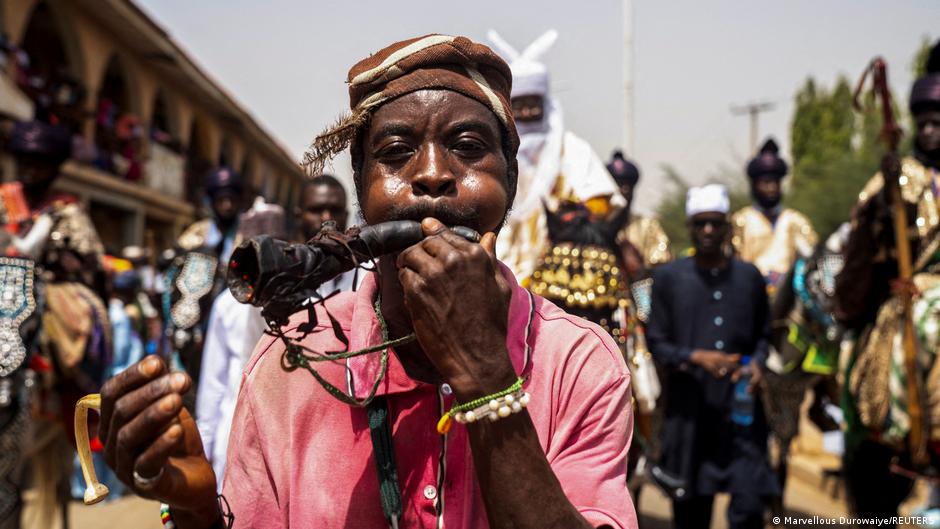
{"points": [[428, 62]]}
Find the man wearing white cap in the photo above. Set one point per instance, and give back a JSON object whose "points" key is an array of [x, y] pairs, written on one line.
{"points": [[554, 164], [708, 328]]}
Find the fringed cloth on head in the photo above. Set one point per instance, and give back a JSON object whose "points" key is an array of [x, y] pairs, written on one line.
{"points": [[429, 62]]}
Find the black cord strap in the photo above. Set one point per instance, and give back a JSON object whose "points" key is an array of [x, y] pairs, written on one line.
{"points": [[380, 428]]}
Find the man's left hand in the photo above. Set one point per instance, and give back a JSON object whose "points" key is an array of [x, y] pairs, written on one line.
{"points": [[458, 301], [756, 376]]}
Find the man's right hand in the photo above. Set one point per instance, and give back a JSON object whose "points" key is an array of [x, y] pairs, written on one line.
{"points": [[145, 428], [718, 364]]}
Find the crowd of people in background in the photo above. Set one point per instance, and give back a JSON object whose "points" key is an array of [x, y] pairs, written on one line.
{"points": [[723, 340]]}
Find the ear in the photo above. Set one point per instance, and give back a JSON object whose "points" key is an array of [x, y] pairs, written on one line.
{"points": [[552, 221], [502, 47], [540, 45]]}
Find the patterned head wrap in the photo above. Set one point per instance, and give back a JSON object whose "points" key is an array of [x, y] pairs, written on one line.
{"points": [[36, 138], [926, 91], [768, 162], [223, 178], [428, 62], [624, 171]]}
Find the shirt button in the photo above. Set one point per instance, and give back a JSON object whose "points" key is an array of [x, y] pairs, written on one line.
{"points": [[717, 295], [719, 321], [446, 389], [719, 345], [430, 492]]}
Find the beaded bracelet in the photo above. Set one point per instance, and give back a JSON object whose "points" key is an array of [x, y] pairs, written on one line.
{"points": [[165, 517], [226, 520], [497, 406]]}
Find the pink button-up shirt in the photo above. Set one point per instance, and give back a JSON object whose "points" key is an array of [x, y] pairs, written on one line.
{"points": [[300, 458]]}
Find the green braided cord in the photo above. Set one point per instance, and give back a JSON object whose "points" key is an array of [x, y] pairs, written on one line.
{"points": [[328, 357], [473, 404], [296, 358]]}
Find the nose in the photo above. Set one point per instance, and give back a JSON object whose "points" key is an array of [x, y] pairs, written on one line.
{"points": [[709, 228], [326, 215], [433, 176]]}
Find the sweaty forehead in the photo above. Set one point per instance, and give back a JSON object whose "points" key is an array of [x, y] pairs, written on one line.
{"points": [[431, 109], [322, 193]]}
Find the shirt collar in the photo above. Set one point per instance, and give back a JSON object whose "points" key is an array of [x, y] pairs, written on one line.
{"points": [[365, 331]]}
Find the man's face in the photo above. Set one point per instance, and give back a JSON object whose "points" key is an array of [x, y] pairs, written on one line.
{"points": [[528, 109], [321, 203], [928, 131], [35, 171], [708, 232], [766, 189], [434, 153], [226, 205]]}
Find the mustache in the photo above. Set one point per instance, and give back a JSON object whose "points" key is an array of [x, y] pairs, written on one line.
{"points": [[449, 214]]}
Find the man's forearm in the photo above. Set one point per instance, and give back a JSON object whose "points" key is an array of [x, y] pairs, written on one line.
{"points": [[519, 488]]}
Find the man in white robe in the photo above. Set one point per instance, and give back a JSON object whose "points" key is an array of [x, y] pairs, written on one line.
{"points": [[554, 164]]}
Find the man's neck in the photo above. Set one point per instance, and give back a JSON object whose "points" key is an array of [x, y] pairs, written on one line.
{"points": [[224, 226], [928, 159], [411, 356], [771, 213], [35, 197], [709, 261]]}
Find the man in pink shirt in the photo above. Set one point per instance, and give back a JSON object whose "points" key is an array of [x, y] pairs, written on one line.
{"points": [[432, 139]]}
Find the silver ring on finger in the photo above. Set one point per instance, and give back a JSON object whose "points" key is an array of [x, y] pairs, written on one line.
{"points": [[145, 484], [723, 371]]}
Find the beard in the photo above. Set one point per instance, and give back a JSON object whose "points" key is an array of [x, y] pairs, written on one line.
{"points": [[766, 202]]}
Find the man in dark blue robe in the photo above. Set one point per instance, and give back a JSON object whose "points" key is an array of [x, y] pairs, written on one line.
{"points": [[709, 312]]}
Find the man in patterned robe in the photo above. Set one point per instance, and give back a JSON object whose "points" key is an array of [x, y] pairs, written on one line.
{"points": [[644, 234], [54, 330], [198, 272], [766, 234], [876, 402]]}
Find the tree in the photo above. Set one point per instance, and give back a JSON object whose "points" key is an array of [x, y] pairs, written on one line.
{"points": [[834, 154]]}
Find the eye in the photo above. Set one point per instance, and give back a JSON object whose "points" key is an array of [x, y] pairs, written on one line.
{"points": [[469, 146], [396, 150]]}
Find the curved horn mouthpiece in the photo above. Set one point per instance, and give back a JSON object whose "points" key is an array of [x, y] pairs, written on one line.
{"points": [[94, 490]]}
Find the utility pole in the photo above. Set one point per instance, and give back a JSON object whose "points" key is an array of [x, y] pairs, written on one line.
{"points": [[753, 110], [628, 119]]}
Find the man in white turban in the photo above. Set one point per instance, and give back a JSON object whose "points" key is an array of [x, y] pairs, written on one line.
{"points": [[708, 331], [554, 164]]}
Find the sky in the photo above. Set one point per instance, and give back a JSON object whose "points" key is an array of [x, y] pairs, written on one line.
{"points": [[286, 62]]}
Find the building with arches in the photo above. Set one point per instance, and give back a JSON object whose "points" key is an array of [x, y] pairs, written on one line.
{"points": [[147, 121]]}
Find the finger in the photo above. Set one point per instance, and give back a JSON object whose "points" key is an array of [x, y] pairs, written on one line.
{"points": [[434, 229], [737, 374], [437, 245], [143, 430], [128, 407], [412, 284], [488, 242], [755, 381], [124, 382], [418, 260], [154, 458], [432, 226]]}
